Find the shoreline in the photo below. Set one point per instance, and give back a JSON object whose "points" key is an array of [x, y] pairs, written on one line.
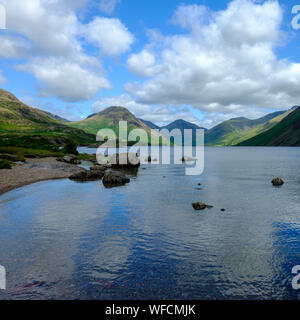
{"points": [[33, 171]]}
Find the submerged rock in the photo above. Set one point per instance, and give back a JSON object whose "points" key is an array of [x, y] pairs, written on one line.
{"points": [[201, 206], [87, 175], [277, 182], [112, 179]]}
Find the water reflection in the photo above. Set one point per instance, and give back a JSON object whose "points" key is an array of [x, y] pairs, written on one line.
{"points": [[64, 240]]}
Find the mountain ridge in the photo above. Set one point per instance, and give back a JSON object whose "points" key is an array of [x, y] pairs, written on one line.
{"points": [[285, 133], [21, 125], [109, 118]]}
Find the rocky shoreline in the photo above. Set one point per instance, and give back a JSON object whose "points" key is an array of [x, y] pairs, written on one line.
{"points": [[35, 170]]}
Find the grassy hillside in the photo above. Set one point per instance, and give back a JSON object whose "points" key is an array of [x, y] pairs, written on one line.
{"points": [[109, 119], [284, 133], [234, 131], [22, 126]]}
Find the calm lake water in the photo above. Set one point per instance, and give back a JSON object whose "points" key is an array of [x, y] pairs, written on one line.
{"points": [[68, 240]]}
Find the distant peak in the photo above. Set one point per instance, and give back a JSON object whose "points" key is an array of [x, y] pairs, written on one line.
{"points": [[239, 119], [114, 109]]}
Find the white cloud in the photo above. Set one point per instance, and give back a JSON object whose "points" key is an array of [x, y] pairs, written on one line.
{"points": [[224, 64], [12, 47], [50, 36], [143, 64], [110, 35], [65, 79], [191, 17], [108, 6]]}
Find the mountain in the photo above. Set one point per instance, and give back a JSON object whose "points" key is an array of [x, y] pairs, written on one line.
{"points": [[284, 133], [184, 125], [53, 116], [23, 126], [181, 125], [109, 119], [236, 130], [178, 124], [150, 124]]}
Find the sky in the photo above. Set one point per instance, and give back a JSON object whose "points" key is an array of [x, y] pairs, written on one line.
{"points": [[200, 60]]}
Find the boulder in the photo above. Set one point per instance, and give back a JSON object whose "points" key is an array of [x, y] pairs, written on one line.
{"points": [[112, 178], [149, 159], [201, 206], [277, 182], [69, 159], [87, 176]]}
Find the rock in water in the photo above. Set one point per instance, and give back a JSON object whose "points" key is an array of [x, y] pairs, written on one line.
{"points": [[87, 176], [148, 159], [112, 179], [201, 206], [277, 182]]}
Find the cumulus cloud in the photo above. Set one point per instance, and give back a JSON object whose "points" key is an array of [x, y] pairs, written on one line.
{"points": [[110, 35], [225, 63], [12, 47], [52, 38], [108, 6], [191, 17], [65, 80], [144, 64]]}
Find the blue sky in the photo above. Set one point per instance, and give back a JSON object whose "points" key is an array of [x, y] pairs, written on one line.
{"points": [[204, 61]]}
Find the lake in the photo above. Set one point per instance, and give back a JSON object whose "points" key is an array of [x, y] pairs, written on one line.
{"points": [[68, 240]]}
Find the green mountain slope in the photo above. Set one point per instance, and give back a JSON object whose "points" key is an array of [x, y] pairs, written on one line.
{"points": [[285, 133], [109, 119], [22, 126], [234, 131]]}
